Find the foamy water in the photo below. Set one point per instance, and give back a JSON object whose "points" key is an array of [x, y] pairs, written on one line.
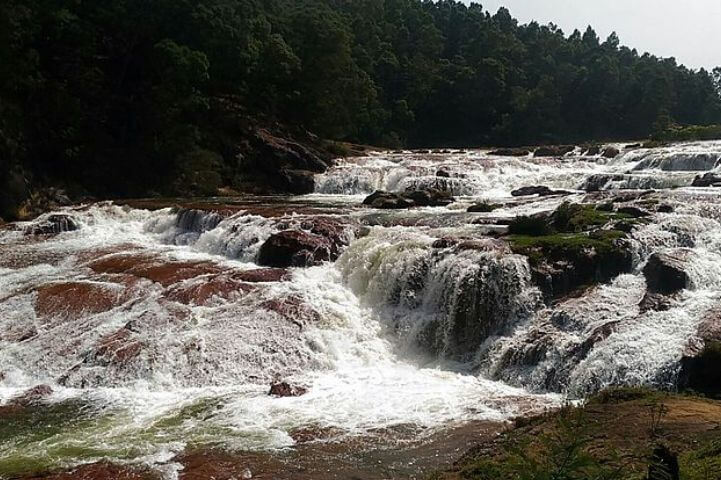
{"points": [[396, 332]]}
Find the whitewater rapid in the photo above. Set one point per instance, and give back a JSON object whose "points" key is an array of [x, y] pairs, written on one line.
{"points": [[398, 331]]}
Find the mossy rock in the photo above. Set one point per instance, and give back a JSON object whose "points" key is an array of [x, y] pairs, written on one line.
{"points": [[562, 263]]}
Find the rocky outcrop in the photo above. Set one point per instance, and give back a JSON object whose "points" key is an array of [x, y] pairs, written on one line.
{"points": [[553, 150], [415, 198], [700, 370], [665, 272], [295, 248], [284, 389], [610, 152], [540, 190], [299, 182], [709, 179], [288, 165], [510, 152], [633, 212], [52, 225]]}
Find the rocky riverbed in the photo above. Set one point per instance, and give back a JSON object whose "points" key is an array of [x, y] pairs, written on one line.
{"points": [[414, 303]]}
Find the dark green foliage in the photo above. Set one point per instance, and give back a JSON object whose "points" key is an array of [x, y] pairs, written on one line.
{"points": [[693, 132], [534, 226], [112, 95], [560, 453]]}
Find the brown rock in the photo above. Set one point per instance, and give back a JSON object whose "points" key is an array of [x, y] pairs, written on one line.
{"points": [[296, 248], [284, 389], [665, 272], [72, 300]]}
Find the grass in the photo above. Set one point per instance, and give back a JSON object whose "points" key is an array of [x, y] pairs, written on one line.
{"points": [[612, 436]]}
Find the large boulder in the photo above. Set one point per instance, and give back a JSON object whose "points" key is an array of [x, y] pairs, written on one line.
{"points": [[665, 272], [553, 150], [510, 152], [295, 248], [610, 152], [387, 201], [299, 182], [429, 197], [700, 362], [561, 264], [278, 153], [540, 190], [709, 179]]}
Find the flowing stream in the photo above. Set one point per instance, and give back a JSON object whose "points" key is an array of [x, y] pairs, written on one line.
{"points": [[158, 332]]}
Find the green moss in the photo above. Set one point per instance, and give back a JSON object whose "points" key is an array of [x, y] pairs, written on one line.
{"points": [[702, 463], [529, 226], [576, 217], [564, 244]]}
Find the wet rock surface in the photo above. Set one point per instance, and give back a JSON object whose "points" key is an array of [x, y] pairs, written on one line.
{"points": [[409, 199], [666, 272], [284, 389], [52, 225], [540, 190]]}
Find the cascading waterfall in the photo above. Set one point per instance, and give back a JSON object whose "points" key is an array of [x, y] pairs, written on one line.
{"points": [[158, 329]]}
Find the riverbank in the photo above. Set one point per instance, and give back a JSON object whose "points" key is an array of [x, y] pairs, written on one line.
{"points": [[620, 432]]}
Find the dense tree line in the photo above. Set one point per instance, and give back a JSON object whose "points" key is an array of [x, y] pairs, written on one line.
{"points": [[100, 91]]}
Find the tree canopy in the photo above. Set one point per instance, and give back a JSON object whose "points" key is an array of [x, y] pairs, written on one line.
{"points": [[98, 89]]}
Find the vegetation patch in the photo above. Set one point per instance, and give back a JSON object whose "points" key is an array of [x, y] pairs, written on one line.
{"points": [[616, 435]]}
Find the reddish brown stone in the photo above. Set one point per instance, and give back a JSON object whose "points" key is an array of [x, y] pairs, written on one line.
{"points": [[71, 300], [201, 293], [216, 465], [154, 269], [119, 347], [99, 471], [284, 389], [293, 308], [264, 275], [34, 395]]}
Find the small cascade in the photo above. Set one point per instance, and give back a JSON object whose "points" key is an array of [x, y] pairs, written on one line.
{"points": [[444, 301], [165, 330]]}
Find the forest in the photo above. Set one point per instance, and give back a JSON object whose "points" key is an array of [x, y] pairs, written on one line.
{"points": [[119, 98]]}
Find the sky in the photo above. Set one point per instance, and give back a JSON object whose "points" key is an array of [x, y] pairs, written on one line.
{"points": [[689, 30]]}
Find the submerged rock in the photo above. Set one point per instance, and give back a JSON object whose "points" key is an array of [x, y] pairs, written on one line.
{"points": [[284, 389], [53, 225], [633, 212], [32, 396]]}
